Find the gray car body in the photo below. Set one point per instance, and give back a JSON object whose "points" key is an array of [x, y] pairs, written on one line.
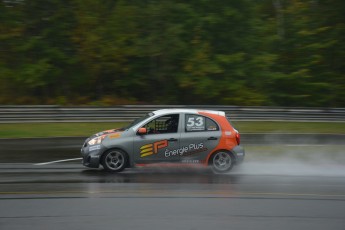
{"points": [[183, 146]]}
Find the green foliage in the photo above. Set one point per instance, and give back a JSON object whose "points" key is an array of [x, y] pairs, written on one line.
{"points": [[280, 52]]}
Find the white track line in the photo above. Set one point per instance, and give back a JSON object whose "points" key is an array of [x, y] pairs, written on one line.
{"points": [[53, 162]]}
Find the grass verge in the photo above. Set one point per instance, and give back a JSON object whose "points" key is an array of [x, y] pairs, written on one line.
{"points": [[87, 129], [289, 127], [54, 129]]}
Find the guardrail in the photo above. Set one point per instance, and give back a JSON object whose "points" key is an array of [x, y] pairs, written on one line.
{"points": [[125, 113]]}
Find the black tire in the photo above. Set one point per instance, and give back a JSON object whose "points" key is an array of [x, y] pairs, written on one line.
{"points": [[222, 162], [114, 160]]}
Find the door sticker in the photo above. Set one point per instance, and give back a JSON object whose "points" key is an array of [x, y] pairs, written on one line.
{"points": [[186, 150], [150, 149]]}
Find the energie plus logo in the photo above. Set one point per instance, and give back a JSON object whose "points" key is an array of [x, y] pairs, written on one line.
{"points": [[149, 149]]}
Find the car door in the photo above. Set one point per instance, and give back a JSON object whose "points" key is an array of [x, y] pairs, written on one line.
{"points": [[199, 137], [162, 137]]}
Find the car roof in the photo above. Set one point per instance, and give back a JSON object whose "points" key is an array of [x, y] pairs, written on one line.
{"points": [[192, 111]]}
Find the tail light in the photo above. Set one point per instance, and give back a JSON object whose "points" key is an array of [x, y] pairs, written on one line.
{"points": [[238, 138]]}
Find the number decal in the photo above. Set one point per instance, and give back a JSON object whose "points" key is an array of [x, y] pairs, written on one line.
{"points": [[195, 123], [190, 122], [200, 121]]}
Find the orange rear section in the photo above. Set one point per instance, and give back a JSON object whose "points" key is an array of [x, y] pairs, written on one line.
{"points": [[228, 138]]}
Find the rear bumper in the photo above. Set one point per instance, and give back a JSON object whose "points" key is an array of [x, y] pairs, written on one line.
{"points": [[239, 154]]}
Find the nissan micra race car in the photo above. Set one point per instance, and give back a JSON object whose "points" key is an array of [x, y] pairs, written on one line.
{"points": [[186, 136]]}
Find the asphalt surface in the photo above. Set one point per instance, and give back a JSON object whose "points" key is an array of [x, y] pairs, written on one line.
{"points": [[277, 187]]}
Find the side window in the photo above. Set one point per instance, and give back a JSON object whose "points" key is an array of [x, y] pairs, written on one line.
{"points": [[195, 123], [163, 124], [211, 125]]}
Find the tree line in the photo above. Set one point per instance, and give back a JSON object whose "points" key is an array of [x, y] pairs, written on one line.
{"points": [[248, 52]]}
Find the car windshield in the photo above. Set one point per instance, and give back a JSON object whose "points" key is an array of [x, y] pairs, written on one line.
{"points": [[137, 121]]}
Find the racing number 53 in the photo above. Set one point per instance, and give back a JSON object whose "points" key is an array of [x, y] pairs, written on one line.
{"points": [[195, 121]]}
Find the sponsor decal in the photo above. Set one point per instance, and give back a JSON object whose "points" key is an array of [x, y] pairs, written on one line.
{"points": [[227, 133], [95, 147], [186, 150], [106, 132], [150, 149], [115, 135], [211, 128], [191, 161]]}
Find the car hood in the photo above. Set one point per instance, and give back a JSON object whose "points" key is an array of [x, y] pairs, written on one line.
{"points": [[106, 132]]}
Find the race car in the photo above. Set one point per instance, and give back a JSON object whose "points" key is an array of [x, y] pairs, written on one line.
{"points": [[167, 136]]}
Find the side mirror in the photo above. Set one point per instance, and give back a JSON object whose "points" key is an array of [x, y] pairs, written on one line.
{"points": [[142, 131]]}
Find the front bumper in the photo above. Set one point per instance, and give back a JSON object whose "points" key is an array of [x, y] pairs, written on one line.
{"points": [[239, 154], [91, 155]]}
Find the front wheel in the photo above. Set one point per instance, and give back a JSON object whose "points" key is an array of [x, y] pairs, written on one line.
{"points": [[114, 160], [222, 162]]}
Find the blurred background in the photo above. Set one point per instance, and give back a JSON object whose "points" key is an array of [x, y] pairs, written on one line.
{"points": [[248, 53], [71, 68]]}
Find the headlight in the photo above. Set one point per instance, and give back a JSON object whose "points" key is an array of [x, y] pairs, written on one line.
{"points": [[96, 140]]}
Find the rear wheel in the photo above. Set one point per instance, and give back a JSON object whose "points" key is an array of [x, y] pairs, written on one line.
{"points": [[222, 162], [114, 160]]}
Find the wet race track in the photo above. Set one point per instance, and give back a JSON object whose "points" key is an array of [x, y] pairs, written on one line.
{"points": [[289, 191]]}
